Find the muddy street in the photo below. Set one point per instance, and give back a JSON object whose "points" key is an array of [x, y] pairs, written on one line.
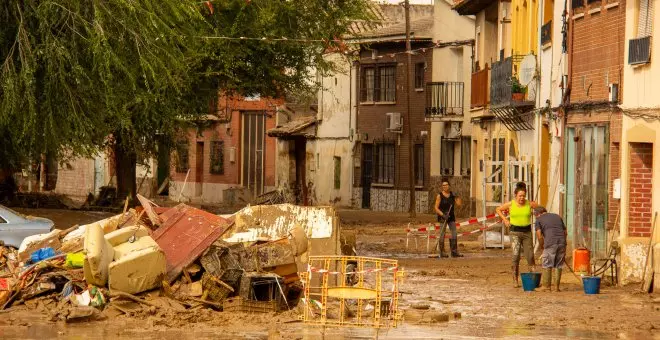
{"points": [[475, 290]]}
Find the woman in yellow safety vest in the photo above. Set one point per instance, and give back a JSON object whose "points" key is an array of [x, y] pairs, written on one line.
{"points": [[519, 225]]}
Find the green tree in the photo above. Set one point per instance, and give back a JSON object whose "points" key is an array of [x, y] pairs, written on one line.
{"points": [[79, 76], [75, 72]]}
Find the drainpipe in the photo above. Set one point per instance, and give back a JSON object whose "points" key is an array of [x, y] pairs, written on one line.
{"points": [[357, 116], [566, 50], [350, 124], [537, 120], [350, 101]]}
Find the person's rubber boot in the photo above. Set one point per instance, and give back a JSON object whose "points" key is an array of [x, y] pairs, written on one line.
{"points": [[454, 248], [556, 279], [514, 269], [546, 279]]}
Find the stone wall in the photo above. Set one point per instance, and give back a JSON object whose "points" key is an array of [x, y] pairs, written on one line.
{"points": [[393, 200]]}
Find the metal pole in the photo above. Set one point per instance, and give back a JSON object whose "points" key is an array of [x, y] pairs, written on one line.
{"points": [[411, 149], [485, 205]]}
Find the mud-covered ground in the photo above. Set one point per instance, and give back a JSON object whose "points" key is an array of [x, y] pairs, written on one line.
{"points": [[478, 286]]}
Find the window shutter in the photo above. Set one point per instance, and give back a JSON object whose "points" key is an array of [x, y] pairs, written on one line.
{"points": [[644, 19]]}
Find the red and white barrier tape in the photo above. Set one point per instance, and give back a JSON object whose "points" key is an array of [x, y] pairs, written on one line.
{"points": [[437, 226], [372, 270], [467, 232]]}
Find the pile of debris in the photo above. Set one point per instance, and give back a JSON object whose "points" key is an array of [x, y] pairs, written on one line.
{"points": [[151, 258]]}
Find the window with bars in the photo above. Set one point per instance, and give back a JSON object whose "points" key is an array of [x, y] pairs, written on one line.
{"points": [[378, 84], [447, 156], [419, 76], [419, 164], [384, 163], [466, 165], [387, 77], [217, 158], [182, 162], [337, 172], [368, 83]]}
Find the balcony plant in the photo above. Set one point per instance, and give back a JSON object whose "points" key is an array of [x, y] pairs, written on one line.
{"points": [[517, 90]]}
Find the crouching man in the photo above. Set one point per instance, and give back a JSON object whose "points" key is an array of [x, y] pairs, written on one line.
{"points": [[551, 234]]}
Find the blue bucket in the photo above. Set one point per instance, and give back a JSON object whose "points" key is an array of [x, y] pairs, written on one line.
{"points": [[530, 281], [591, 284]]}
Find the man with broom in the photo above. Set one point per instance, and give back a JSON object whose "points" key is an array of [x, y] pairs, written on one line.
{"points": [[551, 235]]}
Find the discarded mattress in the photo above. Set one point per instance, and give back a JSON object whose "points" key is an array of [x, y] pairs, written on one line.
{"points": [[273, 222]]}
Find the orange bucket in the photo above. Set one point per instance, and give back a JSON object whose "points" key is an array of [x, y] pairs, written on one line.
{"points": [[581, 261]]}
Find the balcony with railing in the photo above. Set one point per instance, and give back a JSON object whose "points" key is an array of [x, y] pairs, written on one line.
{"points": [[505, 90], [444, 101], [479, 92]]}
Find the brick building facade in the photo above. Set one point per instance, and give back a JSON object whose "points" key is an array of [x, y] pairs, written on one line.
{"points": [[591, 148], [228, 158], [641, 185], [597, 45], [382, 179]]}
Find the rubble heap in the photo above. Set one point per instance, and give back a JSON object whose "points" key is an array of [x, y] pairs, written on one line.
{"points": [[171, 259]]}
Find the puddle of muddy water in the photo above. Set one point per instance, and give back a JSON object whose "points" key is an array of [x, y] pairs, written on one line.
{"points": [[455, 330], [100, 331], [472, 328], [399, 255]]}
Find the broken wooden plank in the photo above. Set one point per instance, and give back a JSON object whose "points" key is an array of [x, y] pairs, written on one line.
{"points": [[647, 276], [149, 209]]}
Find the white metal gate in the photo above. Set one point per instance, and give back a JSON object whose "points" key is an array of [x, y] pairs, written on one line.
{"points": [[494, 189], [493, 192]]}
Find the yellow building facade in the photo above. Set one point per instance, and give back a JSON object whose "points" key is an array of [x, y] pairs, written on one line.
{"points": [[502, 155]]}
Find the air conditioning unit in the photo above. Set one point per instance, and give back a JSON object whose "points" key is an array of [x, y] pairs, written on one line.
{"points": [[452, 130], [614, 92], [394, 122]]}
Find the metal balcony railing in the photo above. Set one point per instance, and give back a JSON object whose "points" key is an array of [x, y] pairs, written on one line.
{"points": [[444, 99], [500, 82]]}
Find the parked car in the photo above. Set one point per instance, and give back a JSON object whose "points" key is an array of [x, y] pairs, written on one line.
{"points": [[14, 226]]}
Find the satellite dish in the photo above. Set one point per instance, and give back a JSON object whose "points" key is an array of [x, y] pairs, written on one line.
{"points": [[527, 69]]}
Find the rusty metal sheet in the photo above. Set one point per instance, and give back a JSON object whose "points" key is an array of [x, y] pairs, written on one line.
{"points": [[184, 236]]}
